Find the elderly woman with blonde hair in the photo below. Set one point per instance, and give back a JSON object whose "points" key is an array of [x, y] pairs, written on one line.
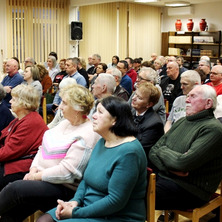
{"points": [[20, 140], [59, 163]]}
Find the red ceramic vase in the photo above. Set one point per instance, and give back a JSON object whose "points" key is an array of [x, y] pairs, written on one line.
{"points": [[190, 25], [203, 25], [178, 25]]}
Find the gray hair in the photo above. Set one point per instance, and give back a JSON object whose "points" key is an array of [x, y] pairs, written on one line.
{"points": [[53, 60], [209, 93], [206, 62], [30, 59], [108, 80], [97, 56], [75, 60], [151, 74], [192, 76], [2, 92], [115, 72], [67, 81]]}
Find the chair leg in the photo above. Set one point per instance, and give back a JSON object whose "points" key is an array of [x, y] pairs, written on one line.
{"points": [[166, 215], [176, 217], [220, 213]]}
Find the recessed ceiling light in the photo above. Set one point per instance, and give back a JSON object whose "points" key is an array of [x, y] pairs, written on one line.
{"points": [[145, 1], [177, 4]]}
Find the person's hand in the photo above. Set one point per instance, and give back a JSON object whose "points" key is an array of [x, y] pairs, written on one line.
{"points": [[64, 209], [8, 89], [180, 174]]}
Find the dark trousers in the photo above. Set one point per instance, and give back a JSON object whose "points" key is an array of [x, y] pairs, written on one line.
{"points": [[170, 196], [22, 198], [6, 179]]}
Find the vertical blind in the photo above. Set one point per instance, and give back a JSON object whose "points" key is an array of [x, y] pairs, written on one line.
{"points": [[138, 34], [35, 28]]}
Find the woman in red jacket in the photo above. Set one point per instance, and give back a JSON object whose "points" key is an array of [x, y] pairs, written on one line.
{"points": [[20, 140]]}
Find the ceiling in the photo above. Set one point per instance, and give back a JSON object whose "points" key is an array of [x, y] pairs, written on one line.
{"points": [[160, 3]]}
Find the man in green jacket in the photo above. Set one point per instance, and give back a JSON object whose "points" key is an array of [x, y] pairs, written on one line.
{"points": [[189, 156]]}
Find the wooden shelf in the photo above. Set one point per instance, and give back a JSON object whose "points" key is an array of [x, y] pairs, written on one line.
{"points": [[176, 44]]}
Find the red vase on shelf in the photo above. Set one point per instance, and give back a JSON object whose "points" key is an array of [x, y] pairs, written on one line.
{"points": [[190, 25], [178, 25], [203, 24]]}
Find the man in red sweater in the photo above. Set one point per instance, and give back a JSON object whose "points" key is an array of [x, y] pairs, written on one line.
{"points": [[216, 79]]}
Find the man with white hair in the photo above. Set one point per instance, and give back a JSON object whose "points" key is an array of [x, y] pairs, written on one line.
{"points": [[103, 86], [188, 158], [188, 80], [119, 91], [204, 65]]}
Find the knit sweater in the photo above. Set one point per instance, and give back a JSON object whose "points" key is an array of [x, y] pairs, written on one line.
{"points": [[19, 140], [114, 184], [192, 145], [65, 152]]}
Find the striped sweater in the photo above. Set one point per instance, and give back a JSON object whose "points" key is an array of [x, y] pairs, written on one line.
{"points": [[65, 152]]}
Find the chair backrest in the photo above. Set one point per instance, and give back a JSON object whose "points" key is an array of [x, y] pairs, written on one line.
{"points": [[151, 192], [44, 110]]}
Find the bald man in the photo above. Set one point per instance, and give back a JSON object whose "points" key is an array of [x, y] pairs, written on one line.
{"points": [[11, 80]]}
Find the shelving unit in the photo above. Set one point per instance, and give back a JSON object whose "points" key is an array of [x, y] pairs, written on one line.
{"points": [[193, 45]]}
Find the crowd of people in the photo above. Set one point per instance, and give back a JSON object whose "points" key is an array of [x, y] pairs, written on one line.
{"points": [[111, 121]]}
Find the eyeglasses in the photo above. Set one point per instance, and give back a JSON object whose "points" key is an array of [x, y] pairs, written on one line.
{"points": [[141, 78], [215, 73]]}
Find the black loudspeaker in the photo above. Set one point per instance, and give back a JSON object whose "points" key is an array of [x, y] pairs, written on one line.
{"points": [[76, 30]]}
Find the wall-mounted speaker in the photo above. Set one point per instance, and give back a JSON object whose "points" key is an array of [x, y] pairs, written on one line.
{"points": [[76, 30]]}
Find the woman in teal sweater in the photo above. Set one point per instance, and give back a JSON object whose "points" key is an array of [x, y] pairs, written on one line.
{"points": [[114, 184]]}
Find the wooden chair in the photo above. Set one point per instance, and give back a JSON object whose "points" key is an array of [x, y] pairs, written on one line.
{"points": [[166, 103], [44, 109], [151, 192], [197, 213]]}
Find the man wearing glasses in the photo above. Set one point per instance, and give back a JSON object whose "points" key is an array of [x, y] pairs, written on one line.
{"points": [[216, 79], [148, 74]]}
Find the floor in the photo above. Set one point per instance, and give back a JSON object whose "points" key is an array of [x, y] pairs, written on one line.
{"points": [[184, 219]]}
